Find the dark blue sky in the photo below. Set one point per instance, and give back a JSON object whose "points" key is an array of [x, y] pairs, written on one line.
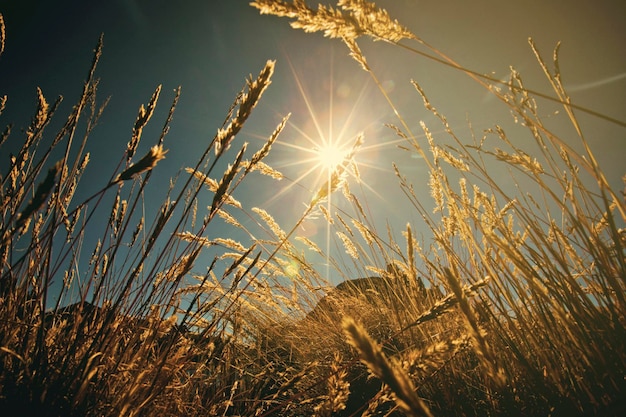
{"points": [[209, 47]]}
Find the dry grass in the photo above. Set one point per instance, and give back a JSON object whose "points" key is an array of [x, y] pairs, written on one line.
{"points": [[139, 336], [517, 307], [546, 332]]}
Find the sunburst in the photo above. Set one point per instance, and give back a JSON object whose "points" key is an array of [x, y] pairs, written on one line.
{"points": [[322, 149], [330, 155]]}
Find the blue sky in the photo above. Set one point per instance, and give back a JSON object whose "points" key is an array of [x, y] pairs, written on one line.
{"points": [[209, 47]]}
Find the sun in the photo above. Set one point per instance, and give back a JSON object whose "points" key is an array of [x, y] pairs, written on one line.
{"points": [[325, 144], [330, 155], [321, 156]]}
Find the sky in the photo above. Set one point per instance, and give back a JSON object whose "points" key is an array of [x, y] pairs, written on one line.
{"points": [[210, 47]]}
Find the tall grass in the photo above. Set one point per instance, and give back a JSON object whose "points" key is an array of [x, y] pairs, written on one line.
{"points": [[120, 328], [516, 306], [545, 329]]}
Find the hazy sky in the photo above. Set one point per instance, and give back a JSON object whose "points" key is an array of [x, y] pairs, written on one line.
{"points": [[209, 47]]}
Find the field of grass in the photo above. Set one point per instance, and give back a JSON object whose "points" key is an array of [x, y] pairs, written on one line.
{"points": [[516, 307]]}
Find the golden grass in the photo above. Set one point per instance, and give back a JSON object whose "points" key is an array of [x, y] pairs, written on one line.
{"points": [[515, 307], [156, 343], [393, 375], [551, 292]]}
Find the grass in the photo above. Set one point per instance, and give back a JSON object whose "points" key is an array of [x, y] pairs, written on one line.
{"points": [[525, 308]]}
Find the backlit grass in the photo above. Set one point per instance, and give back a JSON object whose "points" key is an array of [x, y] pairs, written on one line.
{"points": [[515, 306]]}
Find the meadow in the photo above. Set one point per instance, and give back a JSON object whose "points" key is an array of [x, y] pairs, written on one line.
{"points": [[516, 306]]}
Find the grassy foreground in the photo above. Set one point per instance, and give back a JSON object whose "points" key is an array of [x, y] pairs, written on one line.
{"points": [[516, 307]]}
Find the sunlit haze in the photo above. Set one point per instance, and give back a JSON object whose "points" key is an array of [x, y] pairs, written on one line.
{"points": [[209, 48]]}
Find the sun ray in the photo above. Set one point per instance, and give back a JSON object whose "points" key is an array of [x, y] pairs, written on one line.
{"points": [[306, 99], [328, 142], [292, 183], [322, 146]]}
